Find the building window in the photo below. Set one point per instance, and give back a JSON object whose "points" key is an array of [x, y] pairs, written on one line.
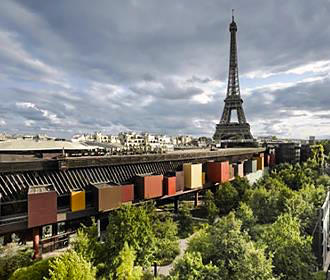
{"points": [[47, 231], [61, 228]]}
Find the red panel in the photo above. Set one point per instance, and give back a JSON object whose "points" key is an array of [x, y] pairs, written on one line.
{"points": [[218, 172], [42, 209], [179, 181], [149, 186], [127, 193], [169, 185], [153, 186]]}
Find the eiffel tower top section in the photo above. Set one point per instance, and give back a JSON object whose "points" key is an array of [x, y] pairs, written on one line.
{"points": [[226, 129], [233, 81]]}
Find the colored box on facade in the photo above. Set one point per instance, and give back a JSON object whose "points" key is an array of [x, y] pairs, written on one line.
{"points": [[179, 180], [107, 196], [127, 193], [218, 172], [42, 206], [192, 175], [169, 185], [149, 186], [260, 163], [78, 201], [239, 170], [203, 178]]}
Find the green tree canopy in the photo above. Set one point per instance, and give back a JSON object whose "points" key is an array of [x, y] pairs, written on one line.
{"points": [[226, 198], [191, 267], [126, 269], [229, 248], [293, 258], [209, 206], [133, 225], [71, 266]]}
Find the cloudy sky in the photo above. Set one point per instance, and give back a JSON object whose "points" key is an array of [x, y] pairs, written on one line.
{"points": [[77, 66]]}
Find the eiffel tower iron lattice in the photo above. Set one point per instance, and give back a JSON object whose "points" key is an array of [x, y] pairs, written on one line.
{"points": [[227, 130]]}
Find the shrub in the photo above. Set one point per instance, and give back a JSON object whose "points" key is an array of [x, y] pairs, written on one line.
{"points": [[36, 271], [13, 259]]}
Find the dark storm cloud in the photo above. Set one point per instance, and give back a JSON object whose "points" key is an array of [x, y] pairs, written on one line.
{"points": [[137, 64]]}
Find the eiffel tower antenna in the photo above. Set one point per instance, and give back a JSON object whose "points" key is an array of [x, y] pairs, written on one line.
{"points": [[232, 14], [227, 130]]}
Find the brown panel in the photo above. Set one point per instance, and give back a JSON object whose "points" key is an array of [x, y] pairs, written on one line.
{"points": [[42, 208], [179, 181], [109, 198]]}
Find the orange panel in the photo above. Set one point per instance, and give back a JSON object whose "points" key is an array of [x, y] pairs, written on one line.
{"points": [[169, 185]]}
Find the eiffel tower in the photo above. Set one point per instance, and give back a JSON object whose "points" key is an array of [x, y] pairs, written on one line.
{"points": [[227, 130]]}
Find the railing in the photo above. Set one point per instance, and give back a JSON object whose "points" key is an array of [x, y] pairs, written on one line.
{"points": [[55, 242]]}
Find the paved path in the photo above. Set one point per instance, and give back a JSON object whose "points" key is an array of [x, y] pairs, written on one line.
{"points": [[183, 244]]}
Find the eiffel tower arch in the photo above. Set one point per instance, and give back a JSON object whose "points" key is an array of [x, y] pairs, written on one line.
{"points": [[226, 129]]}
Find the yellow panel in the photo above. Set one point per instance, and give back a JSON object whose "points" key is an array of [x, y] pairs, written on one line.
{"points": [[192, 175], [260, 163], [187, 175], [196, 175], [203, 178], [78, 201]]}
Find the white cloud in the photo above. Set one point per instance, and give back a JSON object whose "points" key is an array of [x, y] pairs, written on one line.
{"points": [[45, 113], [29, 123]]}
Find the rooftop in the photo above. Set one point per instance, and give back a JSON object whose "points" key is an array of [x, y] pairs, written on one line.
{"points": [[43, 145]]}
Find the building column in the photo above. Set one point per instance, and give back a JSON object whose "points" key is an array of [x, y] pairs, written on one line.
{"points": [[98, 222], [36, 239], [196, 199]]}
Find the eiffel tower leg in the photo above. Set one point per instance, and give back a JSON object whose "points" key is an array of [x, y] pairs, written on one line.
{"points": [[240, 115]]}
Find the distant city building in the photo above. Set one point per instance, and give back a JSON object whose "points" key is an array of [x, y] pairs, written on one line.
{"points": [[288, 152], [312, 140]]}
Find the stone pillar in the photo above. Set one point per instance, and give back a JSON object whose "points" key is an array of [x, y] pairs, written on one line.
{"points": [[196, 199], [36, 239], [176, 205]]}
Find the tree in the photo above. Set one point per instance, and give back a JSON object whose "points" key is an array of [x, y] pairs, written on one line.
{"points": [[86, 243], [268, 204], [71, 266], [245, 214], [37, 271], [133, 225], [293, 257], [126, 269], [242, 185], [209, 206], [226, 198], [232, 250], [166, 233], [185, 221], [191, 267]]}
